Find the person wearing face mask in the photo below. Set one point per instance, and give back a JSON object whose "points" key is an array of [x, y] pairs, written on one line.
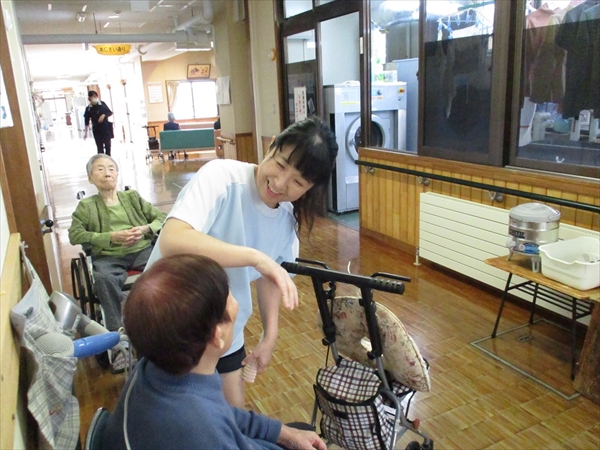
{"points": [[98, 113], [247, 218]]}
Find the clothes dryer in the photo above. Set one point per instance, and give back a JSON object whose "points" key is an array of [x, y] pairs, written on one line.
{"points": [[388, 130]]}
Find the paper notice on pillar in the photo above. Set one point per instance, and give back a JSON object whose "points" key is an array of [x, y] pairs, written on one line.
{"points": [[5, 115], [300, 103], [155, 94], [223, 91]]}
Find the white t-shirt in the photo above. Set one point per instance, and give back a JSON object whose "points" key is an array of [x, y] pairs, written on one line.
{"points": [[222, 201]]}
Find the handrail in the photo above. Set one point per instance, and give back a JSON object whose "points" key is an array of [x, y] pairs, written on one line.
{"points": [[487, 187], [226, 140]]}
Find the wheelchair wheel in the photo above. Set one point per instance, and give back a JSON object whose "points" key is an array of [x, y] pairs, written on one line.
{"points": [[79, 290], [92, 300], [413, 445]]}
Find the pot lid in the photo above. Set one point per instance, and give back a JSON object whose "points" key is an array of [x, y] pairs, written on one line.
{"points": [[534, 212]]}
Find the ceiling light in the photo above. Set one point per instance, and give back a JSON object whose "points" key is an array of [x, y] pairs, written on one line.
{"points": [[113, 17], [83, 8], [81, 17], [49, 6], [106, 24]]}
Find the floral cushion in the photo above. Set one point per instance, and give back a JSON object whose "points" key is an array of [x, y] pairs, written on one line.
{"points": [[401, 357]]}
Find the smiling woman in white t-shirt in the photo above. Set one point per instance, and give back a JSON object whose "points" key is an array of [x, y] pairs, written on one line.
{"points": [[246, 217]]}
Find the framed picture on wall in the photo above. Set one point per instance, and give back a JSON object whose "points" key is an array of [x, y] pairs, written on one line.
{"points": [[198, 71]]}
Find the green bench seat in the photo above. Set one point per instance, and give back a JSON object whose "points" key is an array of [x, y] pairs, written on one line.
{"points": [[201, 138]]}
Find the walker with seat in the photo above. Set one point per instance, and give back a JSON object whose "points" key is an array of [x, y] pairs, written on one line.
{"points": [[360, 397]]}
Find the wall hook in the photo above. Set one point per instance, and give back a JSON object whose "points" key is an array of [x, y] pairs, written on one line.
{"points": [[369, 169], [424, 181], [496, 196]]}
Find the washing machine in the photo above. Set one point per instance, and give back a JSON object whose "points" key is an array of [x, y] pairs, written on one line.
{"points": [[388, 130]]}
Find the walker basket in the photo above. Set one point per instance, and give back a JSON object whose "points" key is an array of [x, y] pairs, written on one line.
{"points": [[353, 412]]}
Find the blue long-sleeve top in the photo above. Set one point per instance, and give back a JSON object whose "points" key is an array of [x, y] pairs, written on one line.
{"points": [[167, 411]]}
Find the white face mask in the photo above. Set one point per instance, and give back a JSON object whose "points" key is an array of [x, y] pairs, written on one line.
{"points": [[94, 101]]}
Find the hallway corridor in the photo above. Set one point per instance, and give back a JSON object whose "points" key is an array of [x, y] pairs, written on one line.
{"points": [[475, 401]]}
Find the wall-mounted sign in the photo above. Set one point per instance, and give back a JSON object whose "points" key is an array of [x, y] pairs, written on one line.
{"points": [[113, 49], [299, 103]]}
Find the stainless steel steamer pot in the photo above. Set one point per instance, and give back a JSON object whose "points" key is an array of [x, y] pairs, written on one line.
{"points": [[531, 225]]}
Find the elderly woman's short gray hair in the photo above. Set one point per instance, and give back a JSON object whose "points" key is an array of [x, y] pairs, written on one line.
{"points": [[90, 164], [171, 117]]}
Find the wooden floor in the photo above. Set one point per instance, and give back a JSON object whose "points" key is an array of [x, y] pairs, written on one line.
{"points": [[475, 401]]}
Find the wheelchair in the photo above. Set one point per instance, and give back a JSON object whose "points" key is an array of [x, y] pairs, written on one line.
{"points": [[82, 281]]}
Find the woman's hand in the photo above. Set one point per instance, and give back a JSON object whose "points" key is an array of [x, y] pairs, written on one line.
{"points": [[281, 278], [261, 355]]}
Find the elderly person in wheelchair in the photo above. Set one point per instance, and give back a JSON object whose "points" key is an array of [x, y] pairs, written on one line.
{"points": [[119, 228], [179, 317]]}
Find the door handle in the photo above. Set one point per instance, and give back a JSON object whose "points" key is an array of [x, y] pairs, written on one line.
{"points": [[46, 222]]}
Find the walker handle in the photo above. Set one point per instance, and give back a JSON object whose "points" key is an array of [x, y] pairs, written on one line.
{"points": [[360, 281]]}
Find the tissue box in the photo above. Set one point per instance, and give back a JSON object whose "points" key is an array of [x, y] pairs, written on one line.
{"points": [[574, 262]]}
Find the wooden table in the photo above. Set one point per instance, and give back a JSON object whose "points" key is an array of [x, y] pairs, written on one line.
{"points": [[579, 303]]}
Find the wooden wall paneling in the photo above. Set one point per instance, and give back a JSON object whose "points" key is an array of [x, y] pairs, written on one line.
{"points": [[377, 207], [389, 196], [465, 191], [585, 219], [229, 146], [412, 223], [454, 188], [485, 196], [371, 177], [363, 186], [396, 205], [245, 148], [375, 192], [477, 194], [567, 215], [10, 295], [402, 211]]}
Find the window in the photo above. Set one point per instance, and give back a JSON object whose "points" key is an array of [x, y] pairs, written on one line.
{"points": [[559, 101], [194, 99]]}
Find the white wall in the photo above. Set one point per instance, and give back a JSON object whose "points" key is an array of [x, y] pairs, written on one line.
{"points": [[264, 70], [171, 69], [232, 57]]}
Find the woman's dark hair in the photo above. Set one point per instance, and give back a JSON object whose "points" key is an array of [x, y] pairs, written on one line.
{"points": [[314, 149], [173, 308], [92, 94]]}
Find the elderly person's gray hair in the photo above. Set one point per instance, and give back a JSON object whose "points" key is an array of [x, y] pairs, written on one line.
{"points": [[171, 117], [90, 164]]}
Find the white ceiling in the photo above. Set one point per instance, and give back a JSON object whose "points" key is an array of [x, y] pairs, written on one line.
{"points": [[75, 62]]}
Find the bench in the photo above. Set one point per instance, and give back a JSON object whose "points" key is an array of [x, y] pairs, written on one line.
{"points": [[187, 140]]}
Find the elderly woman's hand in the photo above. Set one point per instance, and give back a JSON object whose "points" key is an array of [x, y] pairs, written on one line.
{"points": [[129, 237]]}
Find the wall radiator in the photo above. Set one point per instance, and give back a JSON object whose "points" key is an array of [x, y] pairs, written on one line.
{"points": [[460, 235]]}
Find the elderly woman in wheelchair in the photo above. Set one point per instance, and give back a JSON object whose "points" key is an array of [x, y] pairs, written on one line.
{"points": [[179, 317], [118, 228]]}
